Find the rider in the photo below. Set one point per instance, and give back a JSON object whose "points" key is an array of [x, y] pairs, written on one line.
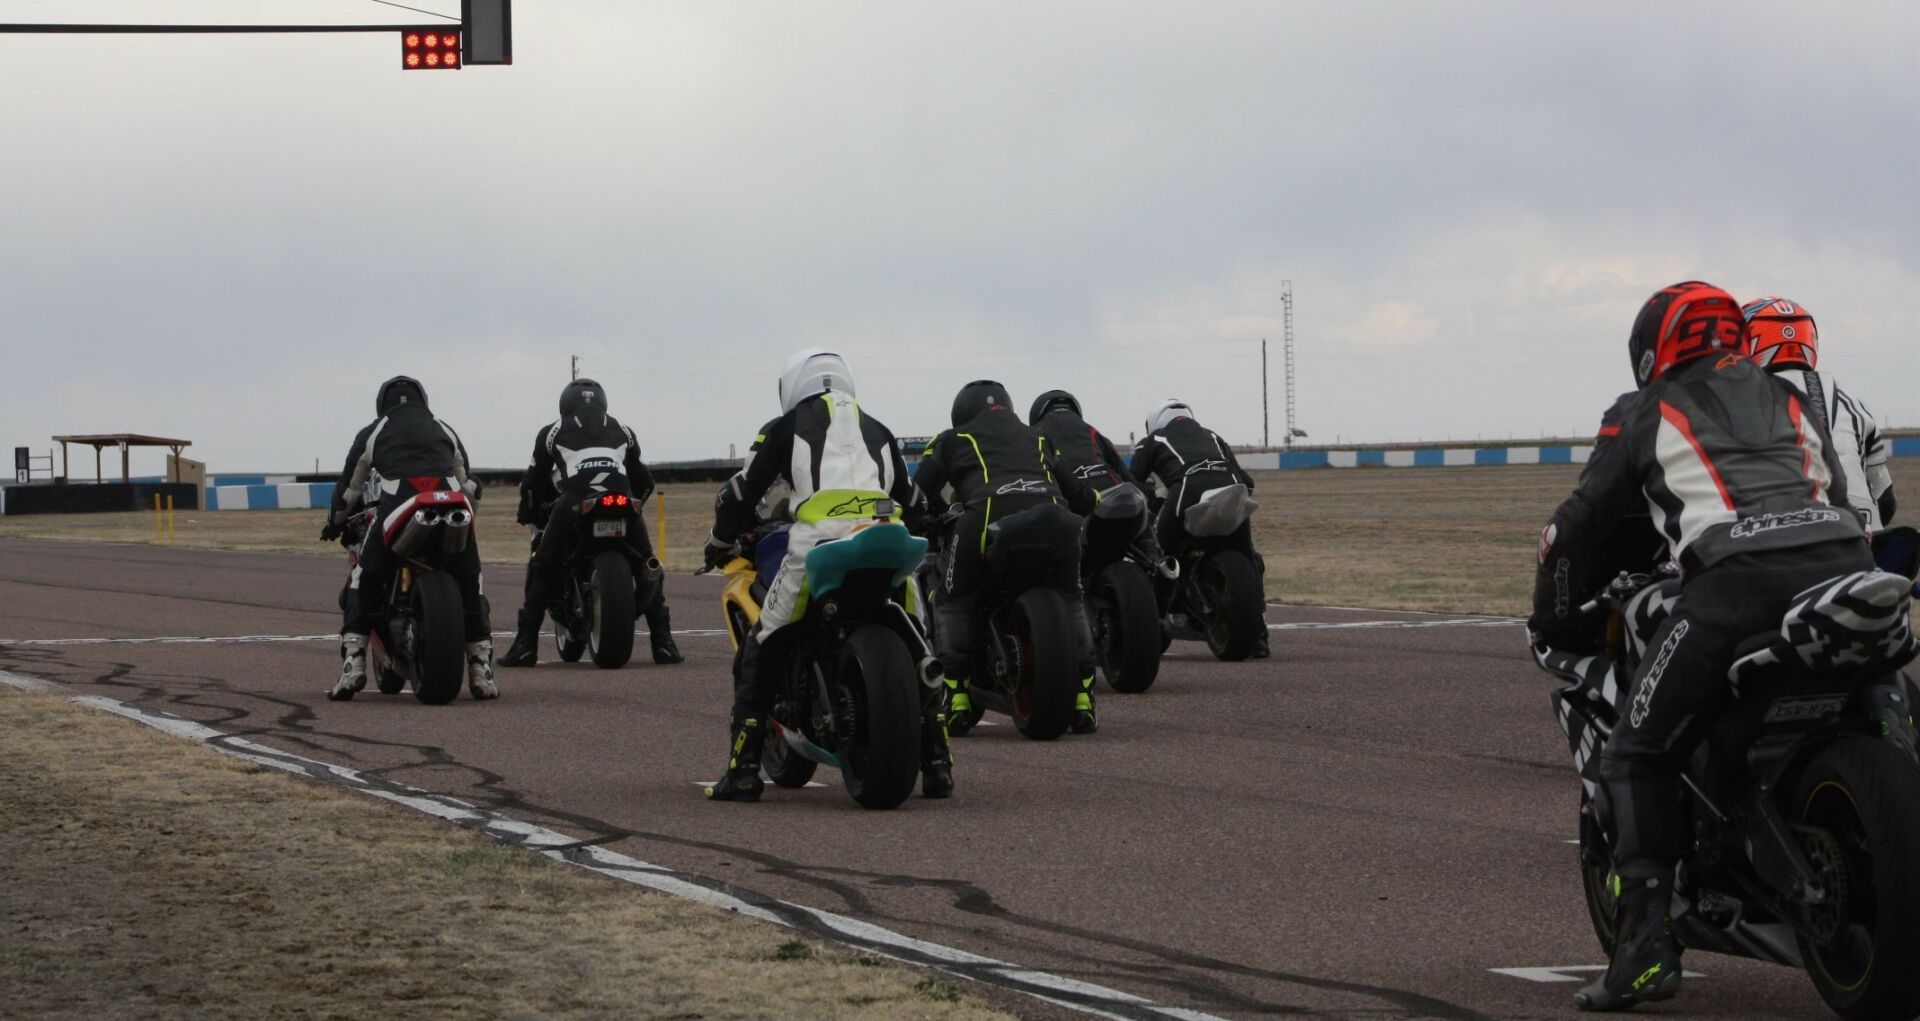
{"points": [[835, 460], [997, 467], [1742, 481], [1781, 336], [584, 451], [405, 444], [1191, 461]]}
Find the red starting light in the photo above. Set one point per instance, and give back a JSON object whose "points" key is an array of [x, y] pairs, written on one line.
{"points": [[421, 51]]}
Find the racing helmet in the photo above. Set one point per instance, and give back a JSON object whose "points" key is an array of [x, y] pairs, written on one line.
{"points": [[812, 371], [1049, 402], [1780, 334], [1680, 323], [976, 397], [582, 393], [397, 391], [1166, 413]]}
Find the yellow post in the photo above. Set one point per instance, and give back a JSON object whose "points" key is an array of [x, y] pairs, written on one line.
{"points": [[169, 517], [157, 533], [660, 509]]}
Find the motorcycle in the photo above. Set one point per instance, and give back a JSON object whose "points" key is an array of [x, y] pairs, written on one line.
{"points": [[1806, 849], [1116, 574], [853, 694], [598, 600], [1024, 654], [420, 638], [1216, 596]]}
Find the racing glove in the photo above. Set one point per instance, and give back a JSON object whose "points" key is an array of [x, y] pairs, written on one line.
{"points": [[331, 531], [718, 552]]}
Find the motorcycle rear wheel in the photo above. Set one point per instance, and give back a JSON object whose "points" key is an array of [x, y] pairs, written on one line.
{"points": [[880, 760], [1126, 627], [1857, 797], [610, 635], [1043, 646], [1236, 607], [439, 648]]}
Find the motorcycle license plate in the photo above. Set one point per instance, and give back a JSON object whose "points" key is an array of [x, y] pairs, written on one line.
{"points": [[606, 529]]}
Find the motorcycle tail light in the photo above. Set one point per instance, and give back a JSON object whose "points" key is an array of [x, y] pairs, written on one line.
{"points": [[620, 500]]}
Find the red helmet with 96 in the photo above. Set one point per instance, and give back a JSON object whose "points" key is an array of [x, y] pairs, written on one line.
{"points": [[1781, 334], [1680, 323]]}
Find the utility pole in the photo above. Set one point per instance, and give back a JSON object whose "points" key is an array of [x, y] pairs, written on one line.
{"points": [[1286, 306], [1266, 437], [576, 367]]}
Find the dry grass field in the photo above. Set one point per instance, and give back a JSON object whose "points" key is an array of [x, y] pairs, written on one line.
{"points": [[1449, 539], [150, 877]]}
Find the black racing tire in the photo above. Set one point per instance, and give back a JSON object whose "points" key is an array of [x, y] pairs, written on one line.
{"points": [[1855, 808], [785, 766], [1237, 609], [439, 652], [571, 648], [610, 610], [1126, 627], [1043, 641], [1596, 883], [881, 762]]}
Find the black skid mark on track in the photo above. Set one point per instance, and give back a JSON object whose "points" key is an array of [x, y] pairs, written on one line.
{"points": [[971, 898], [109, 590]]}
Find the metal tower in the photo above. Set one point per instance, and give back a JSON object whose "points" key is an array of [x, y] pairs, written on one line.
{"points": [[1286, 312]]}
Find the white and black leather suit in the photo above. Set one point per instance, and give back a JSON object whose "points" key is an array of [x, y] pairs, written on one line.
{"points": [[1742, 481], [1189, 460], [402, 450], [1856, 437], [577, 456]]}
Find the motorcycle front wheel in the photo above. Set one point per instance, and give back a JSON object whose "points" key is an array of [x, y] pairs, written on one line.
{"points": [[1855, 808], [439, 630], [610, 605]]}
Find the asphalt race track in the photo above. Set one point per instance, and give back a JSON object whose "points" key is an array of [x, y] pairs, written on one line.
{"points": [[1364, 826]]}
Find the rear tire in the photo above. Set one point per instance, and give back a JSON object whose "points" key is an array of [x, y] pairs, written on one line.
{"points": [[439, 633], [1126, 627], [610, 603], [1237, 609], [784, 766], [1861, 793], [881, 762], [1043, 640]]}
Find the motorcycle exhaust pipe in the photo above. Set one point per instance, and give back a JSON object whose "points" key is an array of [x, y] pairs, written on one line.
{"points": [[458, 529], [414, 533], [933, 673], [1169, 568]]}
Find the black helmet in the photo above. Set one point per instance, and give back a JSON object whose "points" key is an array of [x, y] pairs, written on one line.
{"points": [[1686, 321], [977, 397], [579, 394], [396, 391], [1051, 401]]}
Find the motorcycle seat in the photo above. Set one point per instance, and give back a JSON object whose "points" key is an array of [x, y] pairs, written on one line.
{"points": [[1220, 511], [1855, 622]]}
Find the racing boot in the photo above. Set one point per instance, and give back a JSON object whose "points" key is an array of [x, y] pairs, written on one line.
{"points": [[960, 718], [660, 633], [1083, 718], [742, 782], [1646, 960], [1260, 648], [936, 756], [353, 667], [525, 650], [480, 682]]}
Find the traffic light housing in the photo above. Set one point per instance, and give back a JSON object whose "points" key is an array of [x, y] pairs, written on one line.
{"points": [[427, 49]]}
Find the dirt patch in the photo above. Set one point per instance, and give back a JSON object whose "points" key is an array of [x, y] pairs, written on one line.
{"points": [[143, 875], [1460, 540]]}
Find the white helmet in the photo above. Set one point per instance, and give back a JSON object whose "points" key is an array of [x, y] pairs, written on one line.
{"points": [[815, 370], [1165, 414]]}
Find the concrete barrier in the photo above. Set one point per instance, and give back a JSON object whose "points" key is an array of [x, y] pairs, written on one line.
{"points": [[270, 496], [1421, 457]]}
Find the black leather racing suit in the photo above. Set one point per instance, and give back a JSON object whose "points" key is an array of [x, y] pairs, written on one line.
{"points": [[390, 460], [1189, 460], [574, 457], [1743, 483], [996, 466]]}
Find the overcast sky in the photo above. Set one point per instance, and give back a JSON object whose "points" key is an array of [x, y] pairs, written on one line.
{"points": [[234, 239]]}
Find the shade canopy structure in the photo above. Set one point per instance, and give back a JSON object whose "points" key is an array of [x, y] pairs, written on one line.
{"points": [[125, 441]]}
